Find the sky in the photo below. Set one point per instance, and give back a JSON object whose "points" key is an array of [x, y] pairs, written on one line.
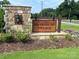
{"points": [[36, 4]]}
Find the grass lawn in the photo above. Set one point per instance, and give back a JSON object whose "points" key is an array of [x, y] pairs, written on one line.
{"points": [[65, 53], [70, 27]]}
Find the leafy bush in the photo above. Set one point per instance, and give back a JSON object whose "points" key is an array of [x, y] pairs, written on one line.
{"points": [[68, 37], [6, 37], [9, 37], [21, 36]]}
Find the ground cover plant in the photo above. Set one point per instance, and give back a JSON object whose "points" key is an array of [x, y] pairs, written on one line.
{"points": [[14, 37], [73, 30]]}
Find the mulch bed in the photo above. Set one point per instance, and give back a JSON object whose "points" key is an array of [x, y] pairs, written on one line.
{"points": [[37, 44]]}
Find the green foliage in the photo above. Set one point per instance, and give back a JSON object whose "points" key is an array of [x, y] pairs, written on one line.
{"points": [[6, 37], [5, 2], [21, 36], [46, 13], [10, 37], [1, 20], [34, 15], [74, 17], [63, 9], [68, 37], [68, 9]]}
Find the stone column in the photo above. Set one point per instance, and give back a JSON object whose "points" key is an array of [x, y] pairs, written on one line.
{"points": [[5, 20]]}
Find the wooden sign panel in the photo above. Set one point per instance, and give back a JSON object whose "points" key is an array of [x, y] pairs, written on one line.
{"points": [[44, 26]]}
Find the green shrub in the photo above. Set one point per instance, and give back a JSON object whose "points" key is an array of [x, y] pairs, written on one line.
{"points": [[6, 37], [21, 36], [2, 37], [11, 37], [68, 37], [53, 38]]}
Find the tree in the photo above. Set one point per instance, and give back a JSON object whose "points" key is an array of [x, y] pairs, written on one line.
{"points": [[68, 9], [4, 2], [45, 13], [35, 15], [74, 9], [1, 19], [48, 12], [72, 6], [63, 9], [77, 10]]}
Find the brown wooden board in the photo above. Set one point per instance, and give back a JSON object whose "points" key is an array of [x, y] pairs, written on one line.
{"points": [[44, 26]]}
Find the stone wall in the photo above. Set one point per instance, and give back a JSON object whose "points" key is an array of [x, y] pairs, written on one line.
{"points": [[9, 19]]}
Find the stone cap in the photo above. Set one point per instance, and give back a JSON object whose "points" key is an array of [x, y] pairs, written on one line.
{"points": [[43, 19], [17, 6]]}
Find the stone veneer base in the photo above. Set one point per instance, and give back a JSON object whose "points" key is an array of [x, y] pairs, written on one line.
{"points": [[42, 36]]}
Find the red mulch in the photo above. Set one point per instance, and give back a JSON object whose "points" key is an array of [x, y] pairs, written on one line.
{"points": [[37, 44]]}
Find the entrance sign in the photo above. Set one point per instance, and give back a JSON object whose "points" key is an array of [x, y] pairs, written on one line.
{"points": [[44, 25]]}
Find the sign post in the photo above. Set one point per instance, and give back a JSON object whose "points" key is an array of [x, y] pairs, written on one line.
{"points": [[59, 25]]}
